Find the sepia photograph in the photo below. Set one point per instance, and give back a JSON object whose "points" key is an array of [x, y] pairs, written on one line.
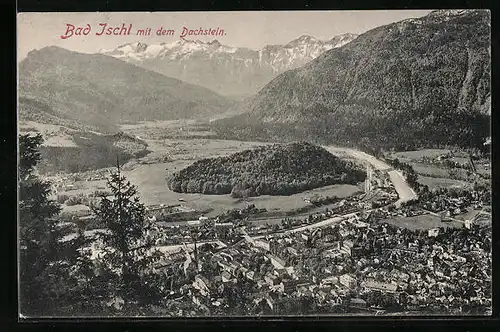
{"points": [[254, 163]]}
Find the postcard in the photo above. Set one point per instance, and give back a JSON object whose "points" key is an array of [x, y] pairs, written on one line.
{"points": [[254, 163]]}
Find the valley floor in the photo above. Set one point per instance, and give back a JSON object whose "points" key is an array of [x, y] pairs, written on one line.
{"points": [[276, 235], [169, 155]]}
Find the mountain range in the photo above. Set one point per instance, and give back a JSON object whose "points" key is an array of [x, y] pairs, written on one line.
{"points": [[418, 82], [230, 71], [58, 85]]}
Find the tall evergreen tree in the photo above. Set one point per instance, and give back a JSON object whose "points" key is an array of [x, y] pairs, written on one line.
{"points": [[47, 278], [128, 254]]}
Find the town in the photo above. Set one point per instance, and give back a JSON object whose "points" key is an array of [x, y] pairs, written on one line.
{"points": [[341, 256]]}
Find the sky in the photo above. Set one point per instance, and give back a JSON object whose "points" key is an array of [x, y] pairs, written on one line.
{"points": [[242, 29]]}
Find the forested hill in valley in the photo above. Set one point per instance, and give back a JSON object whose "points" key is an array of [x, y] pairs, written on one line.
{"points": [[100, 90], [268, 170], [418, 82]]}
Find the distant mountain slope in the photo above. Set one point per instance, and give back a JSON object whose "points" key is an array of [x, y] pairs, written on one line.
{"points": [[98, 90], [91, 151], [33, 110], [224, 69], [422, 81]]}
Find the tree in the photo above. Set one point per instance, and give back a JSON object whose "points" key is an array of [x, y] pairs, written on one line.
{"points": [[192, 186], [175, 185], [238, 191], [48, 278], [128, 254], [208, 188]]}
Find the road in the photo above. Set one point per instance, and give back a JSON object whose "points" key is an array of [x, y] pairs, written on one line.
{"points": [[323, 223]]}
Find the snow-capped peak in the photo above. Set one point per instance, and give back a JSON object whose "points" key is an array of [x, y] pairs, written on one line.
{"points": [[201, 63], [139, 52], [303, 39]]}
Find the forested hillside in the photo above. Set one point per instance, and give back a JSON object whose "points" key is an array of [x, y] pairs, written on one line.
{"points": [[102, 91], [418, 82], [93, 151]]}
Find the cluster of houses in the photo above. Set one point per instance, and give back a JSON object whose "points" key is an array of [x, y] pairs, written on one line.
{"points": [[355, 265], [69, 181], [451, 206], [162, 213]]}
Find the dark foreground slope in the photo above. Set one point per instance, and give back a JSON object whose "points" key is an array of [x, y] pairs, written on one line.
{"points": [[418, 82], [268, 170], [100, 90]]}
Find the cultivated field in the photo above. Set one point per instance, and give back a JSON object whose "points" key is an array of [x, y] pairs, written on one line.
{"points": [[425, 221], [53, 135], [429, 221], [418, 154], [157, 130], [426, 163], [435, 183]]}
